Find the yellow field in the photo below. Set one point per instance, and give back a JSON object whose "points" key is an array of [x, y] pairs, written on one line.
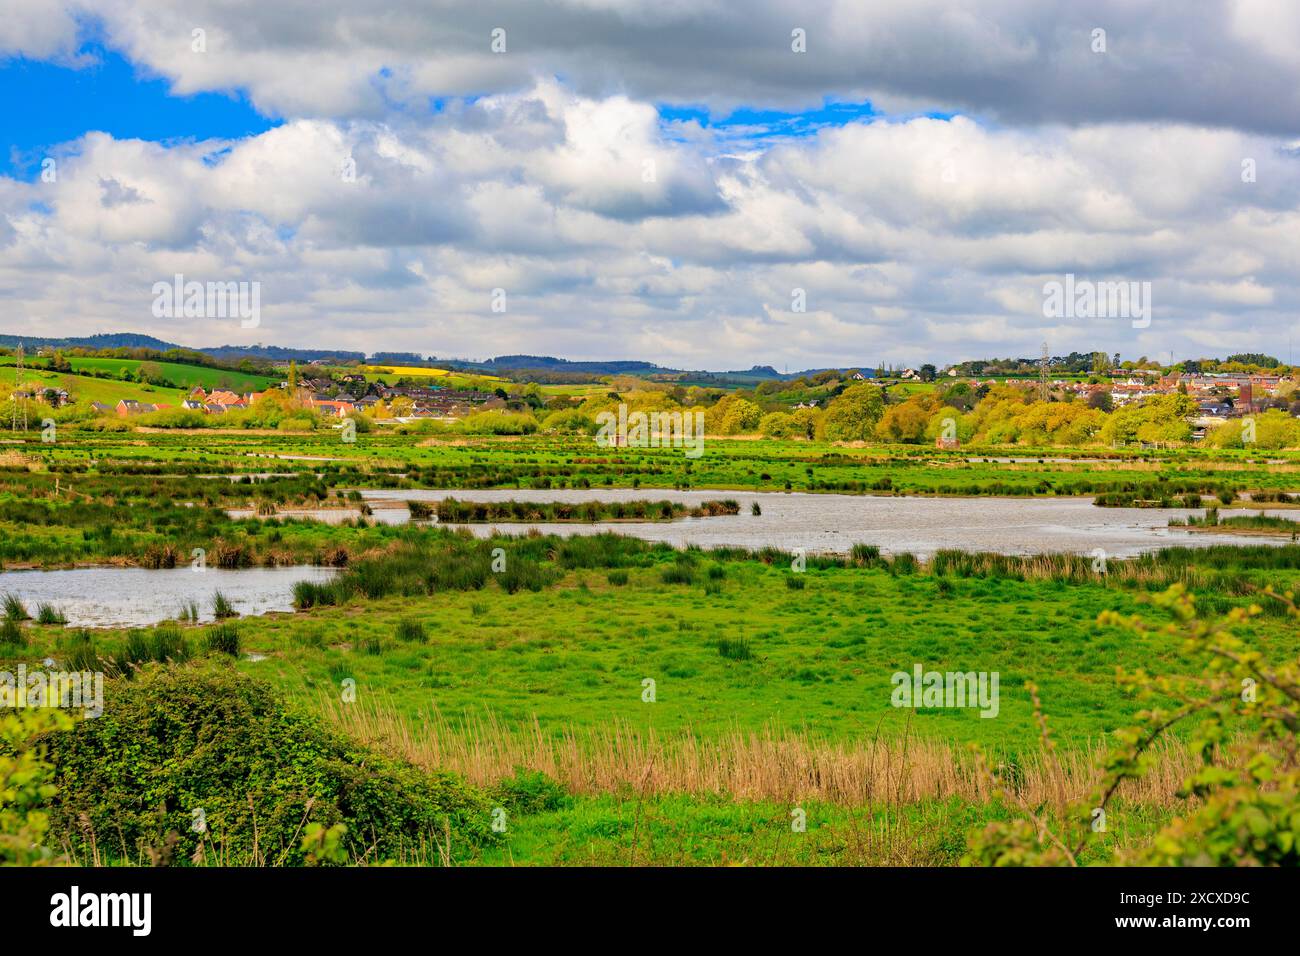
{"points": [[417, 370]]}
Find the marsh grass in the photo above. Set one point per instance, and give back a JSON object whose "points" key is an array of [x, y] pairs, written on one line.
{"points": [[735, 649], [164, 645], [12, 633], [223, 639], [49, 614], [411, 630], [221, 607], [454, 511], [745, 766], [14, 609]]}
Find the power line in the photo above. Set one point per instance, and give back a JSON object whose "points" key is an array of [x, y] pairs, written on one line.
{"points": [[1044, 378], [19, 400]]}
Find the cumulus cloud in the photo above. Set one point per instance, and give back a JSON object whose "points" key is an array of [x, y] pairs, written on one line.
{"points": [[1224, 63], [374, 220]]}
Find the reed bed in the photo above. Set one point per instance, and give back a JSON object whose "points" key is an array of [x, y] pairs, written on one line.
{"points": [[455, 511], [767, 765]]}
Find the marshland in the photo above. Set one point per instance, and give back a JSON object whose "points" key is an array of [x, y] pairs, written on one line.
{"points": [[645, 660]]}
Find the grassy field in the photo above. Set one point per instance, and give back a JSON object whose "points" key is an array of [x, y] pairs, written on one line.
{"points": [[678, 706], [109, 391]]}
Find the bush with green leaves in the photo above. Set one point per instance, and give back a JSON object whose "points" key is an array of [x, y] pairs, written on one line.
{"points": [[1244, 797], [27, 785], [183, 738]]}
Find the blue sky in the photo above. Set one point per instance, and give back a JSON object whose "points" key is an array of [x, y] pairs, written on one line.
{"points": [[49, 103], [46, 104], [656, 180]]}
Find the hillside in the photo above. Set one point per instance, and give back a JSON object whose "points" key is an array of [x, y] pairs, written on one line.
{"points": [[110, 391]]}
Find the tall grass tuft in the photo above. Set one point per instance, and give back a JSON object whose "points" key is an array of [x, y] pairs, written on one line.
{"points": [[14, 609], [411, 630], [223, 639], [221, 607], [49, 614], [735, 649], [11, 633]]}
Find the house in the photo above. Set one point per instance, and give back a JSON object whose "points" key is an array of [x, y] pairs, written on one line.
{"points": [[947, 444], [129, 406], [99, 408], [193, 405], [225, 397], [333, 408]]}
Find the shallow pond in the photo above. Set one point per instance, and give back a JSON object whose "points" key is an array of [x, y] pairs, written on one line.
{"points": [[137, 597], [834, 523]]}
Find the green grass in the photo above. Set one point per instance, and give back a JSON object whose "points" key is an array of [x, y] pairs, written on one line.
{"points": [[752, 654], [621, 830]]}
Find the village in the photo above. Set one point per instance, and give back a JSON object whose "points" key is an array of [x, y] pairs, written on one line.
{"points": [[353, 394]]}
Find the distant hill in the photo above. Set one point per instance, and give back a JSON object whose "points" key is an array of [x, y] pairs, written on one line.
{"points": [[109, 340], [276, 353], [501, 364], [550, 363]]}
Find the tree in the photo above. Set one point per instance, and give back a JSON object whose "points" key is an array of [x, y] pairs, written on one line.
{"points": [[151, 372], [741, 416], [1246, 787], [903, 423], [1101, 400], [853, 415]]}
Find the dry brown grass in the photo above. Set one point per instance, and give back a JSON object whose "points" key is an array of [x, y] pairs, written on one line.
{"points": [[745, 765]]}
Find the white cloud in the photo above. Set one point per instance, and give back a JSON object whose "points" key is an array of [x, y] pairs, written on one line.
{"points": [[373, 222]]}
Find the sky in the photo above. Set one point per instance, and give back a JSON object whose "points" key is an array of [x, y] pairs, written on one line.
{"points": [[697, 183]]}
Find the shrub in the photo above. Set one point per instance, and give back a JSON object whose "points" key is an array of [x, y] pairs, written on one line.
{"points": [[182, 738], [529, 791], [26, 784], [617, 578], [1246, 788]]}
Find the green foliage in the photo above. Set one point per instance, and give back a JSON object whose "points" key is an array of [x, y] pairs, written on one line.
{"points": [[185, 738], [529, 792], [27, 785], [221, 607], [411, 629], [1247, 785], [14, 609], [853, 415], [223, 639]]}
